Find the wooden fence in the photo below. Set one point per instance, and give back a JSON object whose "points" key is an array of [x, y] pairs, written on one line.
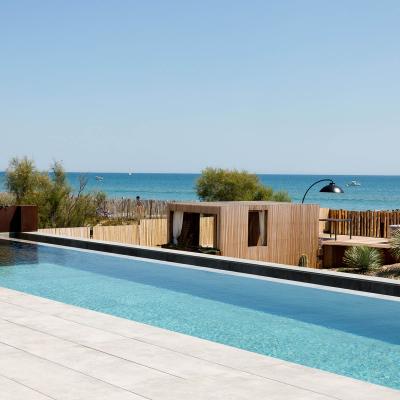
{"points": [[131, 209], [123, 233], [153, 232], [80, 232], [366, 223], [149, 232]]}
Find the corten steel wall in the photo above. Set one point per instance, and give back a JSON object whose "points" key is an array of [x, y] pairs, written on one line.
{"points": [[18, 219]]}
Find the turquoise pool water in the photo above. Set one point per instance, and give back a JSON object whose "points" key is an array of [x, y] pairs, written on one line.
{"points": [[352, 335]]}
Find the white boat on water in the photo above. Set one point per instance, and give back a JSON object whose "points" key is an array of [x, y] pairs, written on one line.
{"points": [[353, 183], [99, 178]]}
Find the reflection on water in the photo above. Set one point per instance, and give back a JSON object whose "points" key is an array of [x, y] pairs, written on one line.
{"points": [[26, 254]]}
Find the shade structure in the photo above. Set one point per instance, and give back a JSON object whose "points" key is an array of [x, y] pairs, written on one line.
{"points": [[332, 188]]}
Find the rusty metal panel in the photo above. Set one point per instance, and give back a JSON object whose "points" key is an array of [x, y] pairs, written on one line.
{"points": [[28, 219], [18, 219]]}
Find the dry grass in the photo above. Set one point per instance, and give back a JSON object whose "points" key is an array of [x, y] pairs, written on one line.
{"points": [[387, 271], [6, 199]]}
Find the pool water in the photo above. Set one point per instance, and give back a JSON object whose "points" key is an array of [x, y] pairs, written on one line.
{"points": [[352, 335]]}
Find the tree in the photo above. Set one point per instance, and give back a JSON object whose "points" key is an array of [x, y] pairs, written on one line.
{"points": [[58, 205], [217, 184], [22, 179]]}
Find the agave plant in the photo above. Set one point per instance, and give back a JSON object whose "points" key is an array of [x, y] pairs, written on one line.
{"points": [[362, 258], [395, 244]]}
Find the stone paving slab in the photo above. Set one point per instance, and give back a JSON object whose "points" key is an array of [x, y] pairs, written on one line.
{"points": [[11, 390], [51, 350]]}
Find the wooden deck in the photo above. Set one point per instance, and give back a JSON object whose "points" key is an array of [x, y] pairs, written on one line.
{"points": [[344, 240]]}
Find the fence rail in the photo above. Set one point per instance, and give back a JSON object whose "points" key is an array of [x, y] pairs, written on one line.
{"points": [[366, 223]]}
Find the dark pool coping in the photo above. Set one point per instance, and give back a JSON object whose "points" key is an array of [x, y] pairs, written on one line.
{"points": [[367, 284]]}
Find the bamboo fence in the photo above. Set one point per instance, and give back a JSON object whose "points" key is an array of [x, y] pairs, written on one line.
{"points": [[131, 209], [366, 223]]}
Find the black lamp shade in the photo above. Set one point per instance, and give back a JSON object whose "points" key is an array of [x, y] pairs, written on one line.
{"points": [[332, 188]]}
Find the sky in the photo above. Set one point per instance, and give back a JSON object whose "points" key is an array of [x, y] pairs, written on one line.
{"points": [[175, 86]]}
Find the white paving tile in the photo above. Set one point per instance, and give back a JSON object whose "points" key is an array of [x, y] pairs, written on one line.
{"points": [[11, 390], [54, 380], [100, 365]]}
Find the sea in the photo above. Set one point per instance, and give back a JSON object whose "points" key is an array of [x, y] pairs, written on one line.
{"points": [[374, 193]]}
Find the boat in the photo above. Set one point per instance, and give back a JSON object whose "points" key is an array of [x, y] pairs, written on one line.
{"points": [[353, 183], [99, 178]]}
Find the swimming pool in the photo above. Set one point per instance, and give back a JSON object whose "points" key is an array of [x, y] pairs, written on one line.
{"points": [[348, 334]]}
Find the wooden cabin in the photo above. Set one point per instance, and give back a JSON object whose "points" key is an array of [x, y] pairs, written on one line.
{"points": [[257, 230]]}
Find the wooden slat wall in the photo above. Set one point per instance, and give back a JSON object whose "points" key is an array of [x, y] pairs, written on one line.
{"points": [[367, 223], [292, 231], [206, 231], [153, 232], [323, 225], [122, 234], [150, 232]]}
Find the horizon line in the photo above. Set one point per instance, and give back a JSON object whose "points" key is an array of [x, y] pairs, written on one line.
{"points": [[199, 173]]}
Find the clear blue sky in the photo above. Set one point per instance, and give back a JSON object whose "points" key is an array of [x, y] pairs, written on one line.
{"points": [[174, 86]]}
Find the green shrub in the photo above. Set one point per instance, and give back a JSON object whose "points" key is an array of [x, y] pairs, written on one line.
{"points": [[58, 205], [362, 258], [395, 244], [217, 184], [23, 179]]}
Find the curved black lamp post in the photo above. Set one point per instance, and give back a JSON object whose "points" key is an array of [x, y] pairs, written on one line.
{"points": [[330, 188]]}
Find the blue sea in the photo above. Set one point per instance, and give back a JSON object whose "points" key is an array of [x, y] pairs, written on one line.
{"points": [[375, 192]]}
